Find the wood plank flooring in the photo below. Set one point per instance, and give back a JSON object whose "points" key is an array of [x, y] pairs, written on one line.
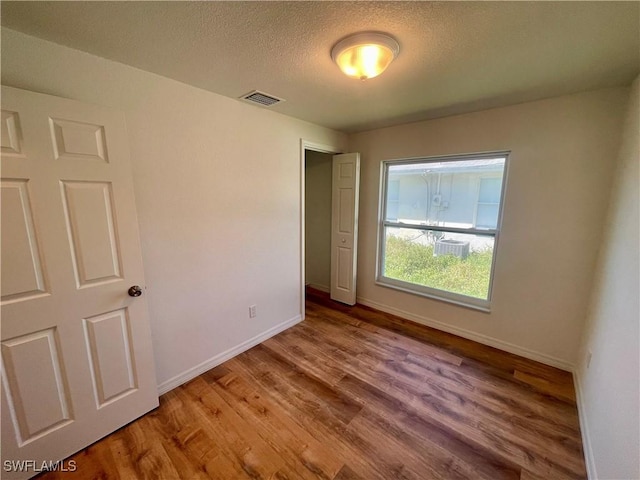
{"points": [[353, 393]]}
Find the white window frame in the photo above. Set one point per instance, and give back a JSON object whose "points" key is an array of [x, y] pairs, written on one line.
{"points": [[383, 224]]}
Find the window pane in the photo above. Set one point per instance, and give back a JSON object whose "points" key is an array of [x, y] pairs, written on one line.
{"points": [[446, 194], [392, 200], [458, 263], [490, 190], [487, 216]]}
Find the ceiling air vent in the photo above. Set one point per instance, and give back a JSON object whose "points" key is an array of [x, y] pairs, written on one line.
{"points": [[261, 98]]}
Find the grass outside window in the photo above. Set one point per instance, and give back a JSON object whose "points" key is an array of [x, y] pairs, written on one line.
{"points": [[415, 263]]}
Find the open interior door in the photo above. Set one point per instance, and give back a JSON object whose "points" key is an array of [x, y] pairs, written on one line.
{"points": [[77, 361], [345, 194]]}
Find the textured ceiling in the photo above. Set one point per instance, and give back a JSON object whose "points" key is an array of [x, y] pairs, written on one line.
{"points": [[455, 56]]}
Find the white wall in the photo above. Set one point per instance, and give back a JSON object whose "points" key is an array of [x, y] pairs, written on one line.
{"points": [[318, 219], [217, 184], [609, 388], [560, 172]]}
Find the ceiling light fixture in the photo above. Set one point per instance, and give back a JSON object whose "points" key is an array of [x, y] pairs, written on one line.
{"points": [[365, 55]]}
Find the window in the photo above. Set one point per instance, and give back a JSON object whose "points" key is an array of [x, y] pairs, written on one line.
{"points": [[439, 226]]}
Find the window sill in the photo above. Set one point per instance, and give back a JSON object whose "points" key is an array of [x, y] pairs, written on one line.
{"points": [[447, 297]]}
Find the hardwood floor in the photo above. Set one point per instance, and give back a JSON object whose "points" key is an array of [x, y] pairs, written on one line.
{"points": [[353, 393]]}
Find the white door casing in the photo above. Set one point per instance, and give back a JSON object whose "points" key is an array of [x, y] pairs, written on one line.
{"points": [[76, 351], [344, 226]]}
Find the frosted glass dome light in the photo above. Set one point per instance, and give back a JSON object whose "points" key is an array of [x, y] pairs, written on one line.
{"points": [[365, 55]]}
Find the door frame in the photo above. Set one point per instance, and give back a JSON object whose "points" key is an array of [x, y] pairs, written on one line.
{"points": [[314, 147]]}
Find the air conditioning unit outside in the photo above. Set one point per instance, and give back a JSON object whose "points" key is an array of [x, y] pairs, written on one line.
{"points": [[451, 247]]}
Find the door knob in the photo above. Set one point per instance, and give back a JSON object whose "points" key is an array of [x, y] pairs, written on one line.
{"points": [[134, 291]]}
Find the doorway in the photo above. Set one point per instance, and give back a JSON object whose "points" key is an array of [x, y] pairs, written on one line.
{"points": [[318, 220], [329, 222], [316, 153]]}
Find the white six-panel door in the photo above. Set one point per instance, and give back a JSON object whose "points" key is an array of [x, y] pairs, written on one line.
{"points": [[344, 226], [76, 349]]}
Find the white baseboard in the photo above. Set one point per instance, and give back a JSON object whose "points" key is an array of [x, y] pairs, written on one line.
{"points": [[190, 374], [468, 334], [584, 429]]}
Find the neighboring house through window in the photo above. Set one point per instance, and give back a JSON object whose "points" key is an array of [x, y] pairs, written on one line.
{"points": [[488, 204], [440, 224]]}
